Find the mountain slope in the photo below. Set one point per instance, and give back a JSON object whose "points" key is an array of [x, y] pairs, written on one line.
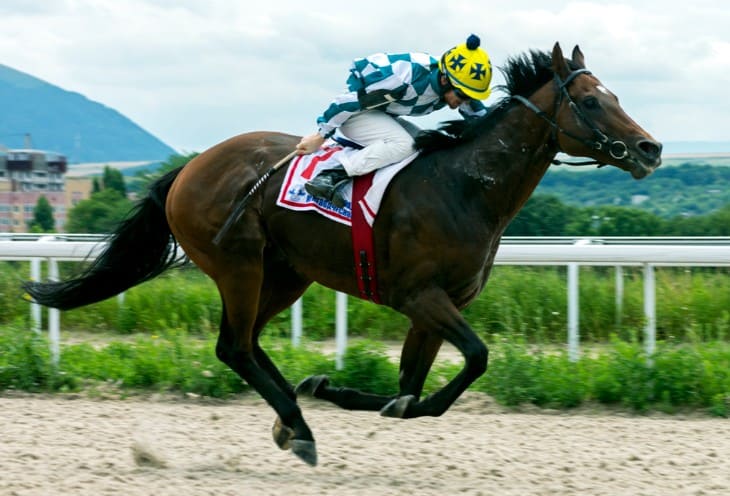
{"points": [[691, 188], [69, 123]]}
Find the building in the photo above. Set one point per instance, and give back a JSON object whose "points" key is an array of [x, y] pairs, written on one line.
{"points": [[77, 189], [28, 174], [33, 170]]}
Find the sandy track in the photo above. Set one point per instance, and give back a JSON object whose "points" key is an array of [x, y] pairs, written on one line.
{"points": [[56, 445]]}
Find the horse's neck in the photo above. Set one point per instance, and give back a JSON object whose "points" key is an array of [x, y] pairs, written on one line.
{"points": [[512, 159]]}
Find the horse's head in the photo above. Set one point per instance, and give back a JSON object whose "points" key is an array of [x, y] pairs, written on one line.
{"points": [[591, 123]]}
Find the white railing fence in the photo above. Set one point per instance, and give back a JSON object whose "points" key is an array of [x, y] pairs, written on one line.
{"points": [[571, 252]]}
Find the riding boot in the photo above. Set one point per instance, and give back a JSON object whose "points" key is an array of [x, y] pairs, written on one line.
{"points": [[327, 185]]}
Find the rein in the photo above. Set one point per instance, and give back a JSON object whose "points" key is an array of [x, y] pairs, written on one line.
{"points": [[617, 149]]}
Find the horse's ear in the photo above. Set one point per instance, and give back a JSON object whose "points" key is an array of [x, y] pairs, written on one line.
{"points": [[560, 66], [578, 58]]}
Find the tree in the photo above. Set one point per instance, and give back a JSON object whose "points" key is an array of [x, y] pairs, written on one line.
{"points": [[542, 215], [713, 224], [718, 223], [113, 179], [99, 214], [43, 220], [614, 221], [144, 179]]}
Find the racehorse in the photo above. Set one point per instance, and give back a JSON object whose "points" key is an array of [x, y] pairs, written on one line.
{"points": [[435, 236]]}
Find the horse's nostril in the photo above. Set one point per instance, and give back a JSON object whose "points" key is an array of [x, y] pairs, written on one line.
{"points": [[650, 149]]}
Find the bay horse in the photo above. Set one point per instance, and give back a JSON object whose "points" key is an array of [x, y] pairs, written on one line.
{"points": [[436, 234]]}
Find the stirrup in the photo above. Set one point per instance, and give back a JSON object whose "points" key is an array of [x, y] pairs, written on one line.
{"points": [[331, 193], [326, 185], [338, 199]]}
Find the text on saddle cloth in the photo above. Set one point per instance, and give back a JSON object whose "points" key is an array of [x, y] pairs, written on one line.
{"points": [[305, 167]]}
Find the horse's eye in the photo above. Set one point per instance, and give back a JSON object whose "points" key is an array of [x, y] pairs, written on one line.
{"points": [[591, 103]]}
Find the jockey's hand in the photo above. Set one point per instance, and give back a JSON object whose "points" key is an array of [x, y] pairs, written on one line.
{"points": [[309, 144]]}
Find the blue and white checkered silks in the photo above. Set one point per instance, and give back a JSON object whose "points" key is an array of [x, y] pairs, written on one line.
{"points": [[398, 84]]}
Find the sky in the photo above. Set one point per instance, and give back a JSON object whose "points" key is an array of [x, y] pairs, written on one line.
{"points": [[194, 73]]}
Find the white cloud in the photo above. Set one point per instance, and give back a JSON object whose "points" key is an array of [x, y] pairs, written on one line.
{"points": [[194, 73]]}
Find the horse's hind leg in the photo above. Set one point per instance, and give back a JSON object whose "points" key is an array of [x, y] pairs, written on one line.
{"points": [[237, 347], [280, 288]]}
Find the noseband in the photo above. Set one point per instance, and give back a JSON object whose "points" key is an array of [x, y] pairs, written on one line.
{"points": [[616, 148]]}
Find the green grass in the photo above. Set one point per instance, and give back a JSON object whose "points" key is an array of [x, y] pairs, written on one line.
{"points": [[679, 377], [691, 304], [161, 337]]}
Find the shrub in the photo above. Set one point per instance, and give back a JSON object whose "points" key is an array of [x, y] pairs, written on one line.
{"points": [[691, 304], [685, 375]]}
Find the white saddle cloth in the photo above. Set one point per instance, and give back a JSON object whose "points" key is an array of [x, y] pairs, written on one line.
{"points": [[304, 167]]}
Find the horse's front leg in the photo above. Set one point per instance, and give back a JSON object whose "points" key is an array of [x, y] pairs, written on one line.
{"points": [[417, 356], [318, 386], [433, 312]]}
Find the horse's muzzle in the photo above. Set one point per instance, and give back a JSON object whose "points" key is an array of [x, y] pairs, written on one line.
{"points": [[647, 156]]}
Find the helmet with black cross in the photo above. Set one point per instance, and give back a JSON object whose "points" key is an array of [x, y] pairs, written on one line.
{"points": [[468, 68]]}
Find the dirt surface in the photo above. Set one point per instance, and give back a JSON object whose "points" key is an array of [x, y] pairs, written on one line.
{"points": [[79, 446]]}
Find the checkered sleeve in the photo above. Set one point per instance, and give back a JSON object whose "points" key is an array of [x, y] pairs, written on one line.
{"points": [[378, 81], [341, 108]]}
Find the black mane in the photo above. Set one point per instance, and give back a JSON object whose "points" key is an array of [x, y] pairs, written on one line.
{"points": [[523, 74], [526, 73]]}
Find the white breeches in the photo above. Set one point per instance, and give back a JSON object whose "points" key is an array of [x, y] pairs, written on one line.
{"points": [[386, 139]]}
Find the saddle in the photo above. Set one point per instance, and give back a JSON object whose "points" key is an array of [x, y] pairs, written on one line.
{"points": [[303, 168], [362, 195]]}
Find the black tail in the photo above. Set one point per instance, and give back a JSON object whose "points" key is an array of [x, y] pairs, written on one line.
{"points": [[141, 248]]}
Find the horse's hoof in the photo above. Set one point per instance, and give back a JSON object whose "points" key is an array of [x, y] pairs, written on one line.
{"points": [[398, 406], [305, 450], [311, 384], [282, 434]]}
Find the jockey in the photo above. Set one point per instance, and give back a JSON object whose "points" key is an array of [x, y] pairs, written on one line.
{"points": [[381, 88]]}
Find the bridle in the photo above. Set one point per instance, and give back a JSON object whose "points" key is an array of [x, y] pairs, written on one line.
{"points": [[599, 141]]}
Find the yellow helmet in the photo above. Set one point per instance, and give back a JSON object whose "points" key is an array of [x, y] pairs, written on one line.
{"points": [[468, 68]]}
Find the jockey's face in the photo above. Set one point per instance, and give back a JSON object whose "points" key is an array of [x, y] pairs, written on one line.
{"points": [[453, 96]]}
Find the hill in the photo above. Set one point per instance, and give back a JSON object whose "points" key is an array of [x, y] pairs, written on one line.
{"points": [[694, 187], [69, 123]]}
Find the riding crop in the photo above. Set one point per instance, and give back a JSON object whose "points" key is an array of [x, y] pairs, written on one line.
{"points": [[243, 202]]}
